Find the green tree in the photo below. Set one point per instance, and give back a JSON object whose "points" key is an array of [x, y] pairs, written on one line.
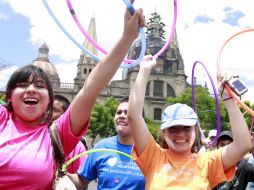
{"points": [[102, 119], [2, 98], [247, 116], [154, 128]]}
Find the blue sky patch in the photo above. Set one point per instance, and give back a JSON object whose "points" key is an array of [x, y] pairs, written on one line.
{"points": [[15, 45], [232, 17], [15, 36], [203, 19]]}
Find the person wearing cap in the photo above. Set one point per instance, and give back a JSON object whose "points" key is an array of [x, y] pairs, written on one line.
{"points": [[244, 172], [206, 146], [250, 159], [177, 167], [211, 136], [225, 138]]}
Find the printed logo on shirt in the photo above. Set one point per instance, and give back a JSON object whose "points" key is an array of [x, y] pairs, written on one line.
{"points": [[24, 150], [112, 161], [120, 167], [166, 167]]}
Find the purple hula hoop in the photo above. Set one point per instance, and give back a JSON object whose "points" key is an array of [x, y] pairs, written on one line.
{"points": [[216, 100], [94, 43]]}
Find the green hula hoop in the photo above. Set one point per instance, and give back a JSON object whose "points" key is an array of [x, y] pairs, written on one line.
{"points": [[64, 168]]}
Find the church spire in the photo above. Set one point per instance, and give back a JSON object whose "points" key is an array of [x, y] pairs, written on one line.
{"points": [[155, 27], [86, 62], [87, 45]]}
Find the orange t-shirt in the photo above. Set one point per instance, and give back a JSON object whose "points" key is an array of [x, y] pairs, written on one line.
{"points": [[165, 170]]}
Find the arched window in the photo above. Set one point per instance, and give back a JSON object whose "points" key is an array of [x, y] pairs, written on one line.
{"points": [[158, 88], [85, 70], [170, 91]]}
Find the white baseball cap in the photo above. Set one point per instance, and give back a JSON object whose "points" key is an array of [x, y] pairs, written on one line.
{"points": [[212, 133], [178, 114]]}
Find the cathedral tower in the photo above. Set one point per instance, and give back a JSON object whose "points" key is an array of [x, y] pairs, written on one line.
{"points": [[168, 79], [86, 62]]}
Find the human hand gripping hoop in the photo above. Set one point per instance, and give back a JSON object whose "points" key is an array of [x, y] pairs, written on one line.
{"points": [[127, 63], [219, 71]]}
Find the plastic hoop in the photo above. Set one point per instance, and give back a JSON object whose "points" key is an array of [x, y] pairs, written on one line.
{"points": [[142, 53], [143, 40], [235, 96], [216, 101], [66, 33], [225, 43], [94, 43], [231, 92], [128, 4], [64, 168]]}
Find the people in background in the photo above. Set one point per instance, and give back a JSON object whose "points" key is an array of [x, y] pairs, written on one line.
{"points": [[244, 172], [60, 105], [208, 143]]}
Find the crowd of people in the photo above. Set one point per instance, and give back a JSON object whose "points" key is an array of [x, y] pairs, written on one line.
{"points": [[26, 153]]}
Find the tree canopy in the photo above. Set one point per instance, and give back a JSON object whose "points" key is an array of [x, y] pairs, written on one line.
{"points": [[102, 119], [206, 108]]}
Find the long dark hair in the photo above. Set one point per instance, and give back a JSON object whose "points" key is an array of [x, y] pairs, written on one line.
{"points": [[22, 75]]}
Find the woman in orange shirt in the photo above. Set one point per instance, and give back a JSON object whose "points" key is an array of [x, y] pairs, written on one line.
{"points": [[177, 167]]}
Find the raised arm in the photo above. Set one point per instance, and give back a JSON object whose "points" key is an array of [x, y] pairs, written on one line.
{"points": [[241, 144], [100, 76], [136, 121]]}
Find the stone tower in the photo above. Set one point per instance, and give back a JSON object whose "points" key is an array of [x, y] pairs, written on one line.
{"points": [[167, 80], [86, 63]]}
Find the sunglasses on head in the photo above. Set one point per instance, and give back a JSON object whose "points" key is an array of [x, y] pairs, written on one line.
{"points": [[119, 112]]}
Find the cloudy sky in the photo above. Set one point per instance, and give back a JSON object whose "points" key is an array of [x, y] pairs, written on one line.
{"points": [[202, 28]]}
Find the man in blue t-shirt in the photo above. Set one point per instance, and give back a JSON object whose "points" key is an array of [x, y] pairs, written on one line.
{"points": [[114, 171]]}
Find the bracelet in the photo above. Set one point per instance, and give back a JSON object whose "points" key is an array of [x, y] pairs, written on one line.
{"points": [[227, 99]]}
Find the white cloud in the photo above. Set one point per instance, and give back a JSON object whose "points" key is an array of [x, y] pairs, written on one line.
{"points": [[197, 41], [5, 75], [4, 16], [67, 71]]}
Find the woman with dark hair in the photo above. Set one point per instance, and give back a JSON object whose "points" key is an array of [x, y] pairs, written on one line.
{"points": [[21, 79], [26, 153]]}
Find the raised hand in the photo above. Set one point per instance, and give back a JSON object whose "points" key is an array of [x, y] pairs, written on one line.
{"points": [[133, 22], [148, 63]]}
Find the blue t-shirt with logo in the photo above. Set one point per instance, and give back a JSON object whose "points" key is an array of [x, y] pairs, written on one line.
{"points": [[114, 171]]}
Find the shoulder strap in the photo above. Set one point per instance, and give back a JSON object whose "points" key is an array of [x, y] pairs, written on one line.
{"points": [[58, 150]]}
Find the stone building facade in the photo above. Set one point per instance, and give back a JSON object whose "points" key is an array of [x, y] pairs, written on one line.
{"points": [[167, 80]]}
